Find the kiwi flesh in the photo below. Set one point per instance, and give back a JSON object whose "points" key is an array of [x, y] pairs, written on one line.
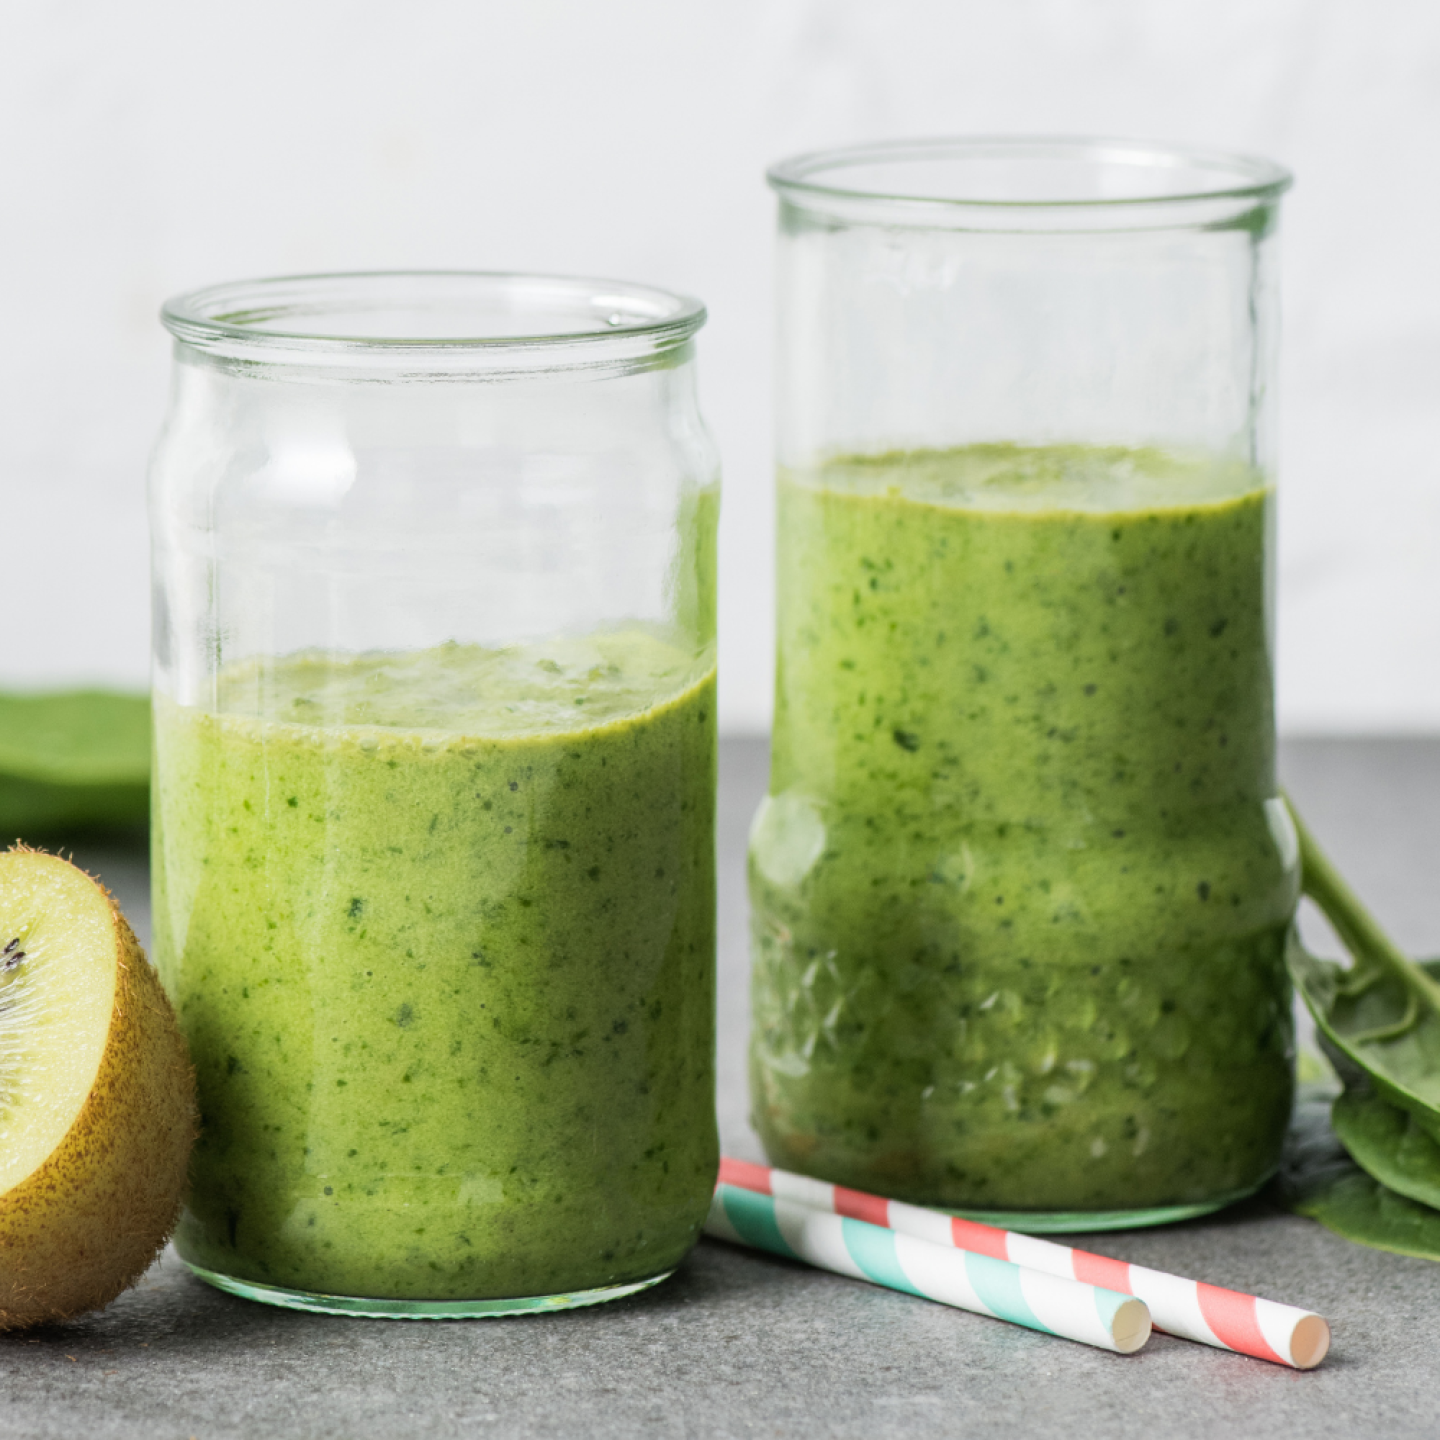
{"points": [[97, 1096]]}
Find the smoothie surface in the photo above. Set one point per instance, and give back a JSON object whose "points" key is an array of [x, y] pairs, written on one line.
{"points": [[1021, 886], [440, 931], [1026, 480], [569, 685]]}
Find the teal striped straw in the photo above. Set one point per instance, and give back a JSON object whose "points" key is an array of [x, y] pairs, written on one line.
{"points": [[1051, 1304]]}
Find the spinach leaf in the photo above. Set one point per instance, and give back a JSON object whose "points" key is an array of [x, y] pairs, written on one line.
{"points": [[1359, 1208], [1318, 1179], [1389, 1143], [1380, 1017], [72, 760], [1379, 1023]]}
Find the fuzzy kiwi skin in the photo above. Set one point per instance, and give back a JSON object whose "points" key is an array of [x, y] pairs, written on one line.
{"points": [[90, 1221]]}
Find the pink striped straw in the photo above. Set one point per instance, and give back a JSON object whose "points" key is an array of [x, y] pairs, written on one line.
{"points": [[1190, 1309]]}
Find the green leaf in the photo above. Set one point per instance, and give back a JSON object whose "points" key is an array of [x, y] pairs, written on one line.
{"points": [[73, 760], [1381, 1017], [1389, 1143], [1359, 1208], [1319, 1180], [1379, 1022]]}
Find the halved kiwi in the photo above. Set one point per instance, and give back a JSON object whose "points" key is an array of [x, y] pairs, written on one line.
{"points": [[97, 1096]]}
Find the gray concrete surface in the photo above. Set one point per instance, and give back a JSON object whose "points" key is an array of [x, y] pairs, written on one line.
{"points": [[737, 1344]]}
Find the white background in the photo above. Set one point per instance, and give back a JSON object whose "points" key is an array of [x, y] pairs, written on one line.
{"points": [[157, 145]]}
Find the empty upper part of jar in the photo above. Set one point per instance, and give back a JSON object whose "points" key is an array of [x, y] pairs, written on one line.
{"points": [[944, 293], [381, 464]]}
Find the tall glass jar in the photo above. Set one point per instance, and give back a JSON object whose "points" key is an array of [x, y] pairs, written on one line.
{"points": [[434, 896], [1021, 884]]}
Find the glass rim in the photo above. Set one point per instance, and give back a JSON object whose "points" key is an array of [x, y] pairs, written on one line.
{"points": [[252, 319], [1249, 177]]}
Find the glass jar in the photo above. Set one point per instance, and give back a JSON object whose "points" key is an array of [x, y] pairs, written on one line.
{"points": [[434, 889], [1022, 881]]}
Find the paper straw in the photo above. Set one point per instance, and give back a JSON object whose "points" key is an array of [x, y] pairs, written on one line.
{"points": [[987, 1286], [1190, 1309]]}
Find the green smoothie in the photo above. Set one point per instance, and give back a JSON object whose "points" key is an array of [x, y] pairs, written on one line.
{"points": [[1021, 887], [440, 928]]}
